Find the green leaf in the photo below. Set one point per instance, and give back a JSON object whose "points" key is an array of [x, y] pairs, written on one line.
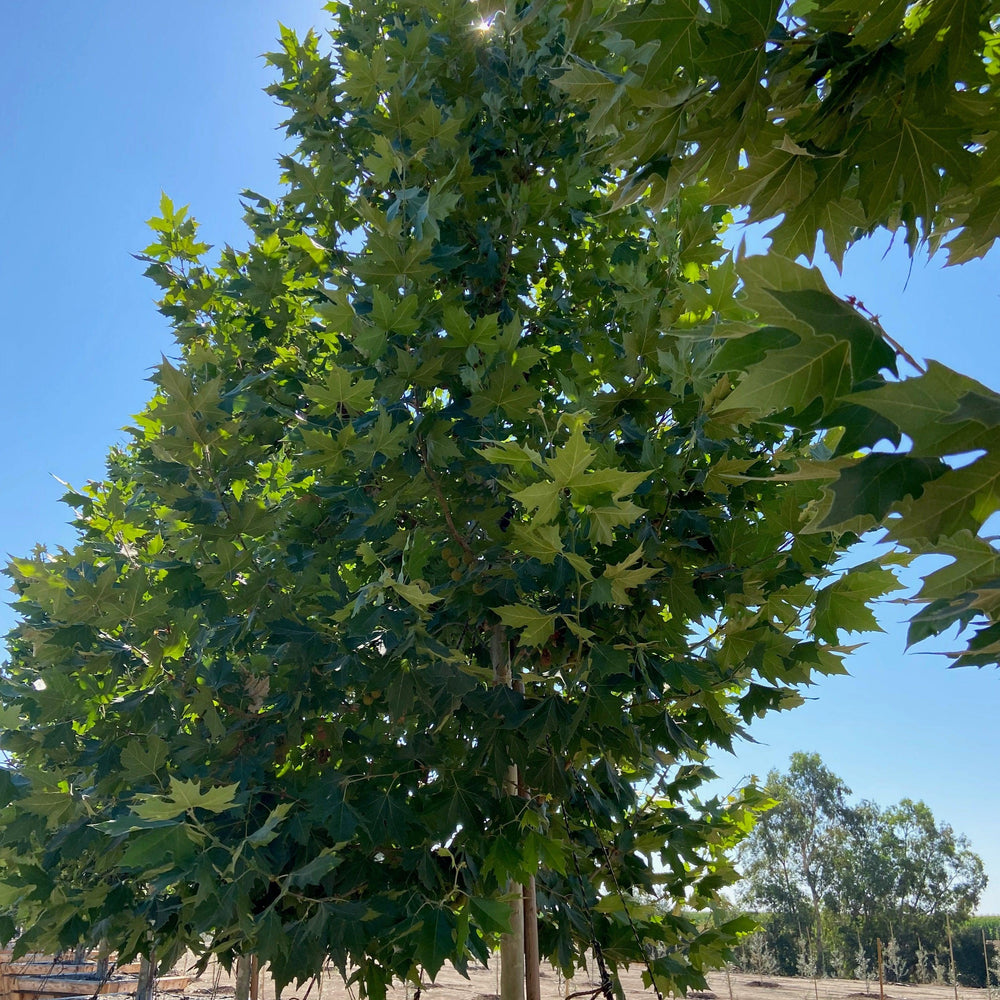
{"points": [[625, 576], [927, 408], [975, 563], [570, 461], [312, 873], [540, 541], [511, 453], [491, 915], [145, 758], [958, 499], [154, 851], [844, 604], [436, 939], [340, 391], [871, 487], [414, 593], [185, 796], [793, 378], [673, 25], [269, 829], [826, 314], [536, 627], [540, 498]]}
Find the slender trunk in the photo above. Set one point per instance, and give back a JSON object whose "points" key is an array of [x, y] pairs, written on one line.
{"points": [[951, 952], [532, 962], [244, 969], [820, 960], [103, 964], [881, 976], [511, 944], [147, 976], [986, 960]]}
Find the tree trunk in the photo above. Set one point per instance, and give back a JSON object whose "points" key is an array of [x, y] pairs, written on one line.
{"points": [[244, 968], [820, 960], [532, 965], [147, 976], [512, 944], [103, 964]]}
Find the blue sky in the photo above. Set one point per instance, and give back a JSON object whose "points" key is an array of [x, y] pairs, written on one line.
{"points": [[107, 104]]}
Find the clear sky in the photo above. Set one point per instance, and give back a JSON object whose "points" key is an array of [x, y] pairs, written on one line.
{"points": [[106, 104]]}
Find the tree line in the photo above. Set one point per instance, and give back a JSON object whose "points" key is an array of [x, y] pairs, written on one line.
{"points": [[828, 877]]}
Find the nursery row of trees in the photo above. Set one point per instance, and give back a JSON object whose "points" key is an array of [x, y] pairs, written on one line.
{"points": [[830, 876]]}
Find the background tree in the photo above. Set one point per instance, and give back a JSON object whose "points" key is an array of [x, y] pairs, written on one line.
{"points": [[857, 871], [792, 857]]}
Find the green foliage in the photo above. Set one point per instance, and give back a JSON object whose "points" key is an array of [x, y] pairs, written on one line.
{"points": [[838, 116], [851, 873], [460, 401]]}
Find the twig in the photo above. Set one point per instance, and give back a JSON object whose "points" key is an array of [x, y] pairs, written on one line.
{"points": [[445, 509], [890, 340]]}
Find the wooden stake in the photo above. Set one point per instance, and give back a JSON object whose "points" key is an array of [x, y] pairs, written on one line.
{"points": [[244, 965], [103, 963], [511, 944], [986, 961], [881, 978], [532, 962], [951, 951]]}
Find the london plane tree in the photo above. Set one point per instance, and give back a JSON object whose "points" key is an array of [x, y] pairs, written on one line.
{"points": [[478, 504]]}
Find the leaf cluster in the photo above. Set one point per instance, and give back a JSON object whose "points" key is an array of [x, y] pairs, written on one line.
{"points": [[839, 116]]}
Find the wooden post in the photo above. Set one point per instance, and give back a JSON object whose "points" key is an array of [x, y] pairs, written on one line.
{"points": [[103, 963], [881, 978], [986, 961], [255, 978], [532, 962], [511, 944], [951, 952]]}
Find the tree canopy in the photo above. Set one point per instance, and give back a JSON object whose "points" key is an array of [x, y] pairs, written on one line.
{"points": [[467, 463]]}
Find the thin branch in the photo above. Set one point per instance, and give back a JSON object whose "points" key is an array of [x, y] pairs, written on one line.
{"points": [[445, 509]]}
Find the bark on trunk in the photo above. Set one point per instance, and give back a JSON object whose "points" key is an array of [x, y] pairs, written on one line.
{"points": [[147, 977], [103, 963], [244, 967]]}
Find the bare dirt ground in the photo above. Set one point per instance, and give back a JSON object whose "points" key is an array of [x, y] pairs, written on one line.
{"points": [[483, 985]]}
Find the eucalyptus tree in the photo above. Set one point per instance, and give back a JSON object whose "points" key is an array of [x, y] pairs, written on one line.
{"points": [[472, 513], [796, 855], [836, 873]]}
